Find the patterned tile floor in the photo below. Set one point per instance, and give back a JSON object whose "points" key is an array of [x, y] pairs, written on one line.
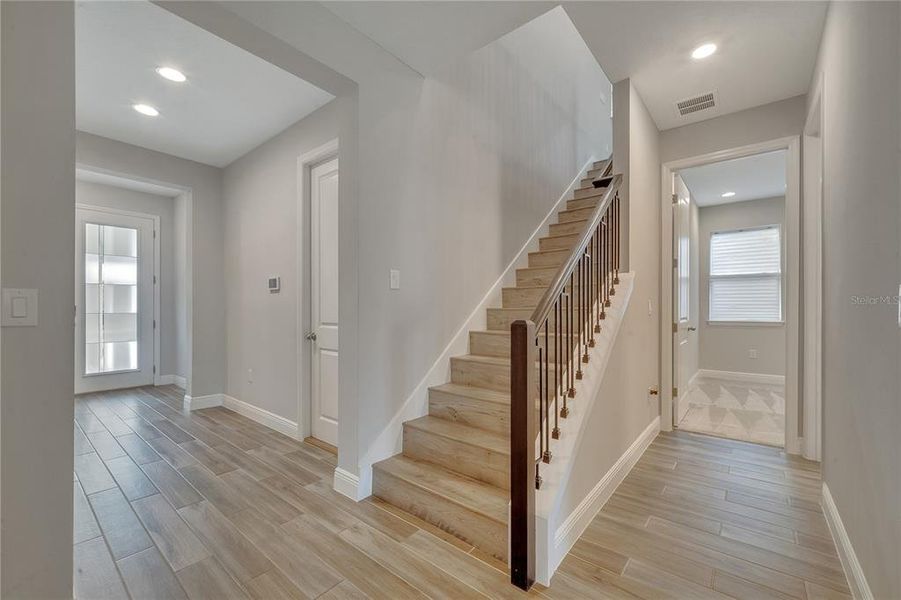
{"points": [[750, 412]]}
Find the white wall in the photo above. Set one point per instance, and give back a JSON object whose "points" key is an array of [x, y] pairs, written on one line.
{"points": [[623, 408], [260, 192], [746, 127], [858, 61], [455, 172], [205, 318], [725, 347], [38, 237], [98, 194]]}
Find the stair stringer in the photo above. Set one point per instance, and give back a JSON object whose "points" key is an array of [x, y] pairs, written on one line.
{"points": [[389, 442], [549, 547]]}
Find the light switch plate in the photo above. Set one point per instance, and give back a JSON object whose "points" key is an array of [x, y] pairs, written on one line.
{"points": [[394, 279], [20, 307]]}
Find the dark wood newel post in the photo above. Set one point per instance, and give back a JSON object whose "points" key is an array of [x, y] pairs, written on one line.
{"points": [[523, 433]]}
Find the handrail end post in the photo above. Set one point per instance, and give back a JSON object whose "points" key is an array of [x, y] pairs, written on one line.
{"points": [[523, 433]]}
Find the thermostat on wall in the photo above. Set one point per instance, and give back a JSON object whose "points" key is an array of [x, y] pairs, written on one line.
{"points": [[275, 285]]}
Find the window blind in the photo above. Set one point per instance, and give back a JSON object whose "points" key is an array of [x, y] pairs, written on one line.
{"points": [[746, 275]]}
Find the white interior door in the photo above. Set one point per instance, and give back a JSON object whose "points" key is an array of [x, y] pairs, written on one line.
{"points": [[113, 301], [681, 297], [324, 296]]}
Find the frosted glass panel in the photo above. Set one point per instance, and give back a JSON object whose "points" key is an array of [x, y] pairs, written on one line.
{"points": [[92, 328], [92, 268], [120, 241], [120, 356], [120, 298], [119, 328], [111, 298], [120, 269]]}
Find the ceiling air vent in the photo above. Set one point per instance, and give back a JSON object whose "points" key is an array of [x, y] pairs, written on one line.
{"points": [[698, 103]]}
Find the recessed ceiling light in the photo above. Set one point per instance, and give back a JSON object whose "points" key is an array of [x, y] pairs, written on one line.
{"points": [[703, 51], [171, 74], [146, 109], [728, 194]]}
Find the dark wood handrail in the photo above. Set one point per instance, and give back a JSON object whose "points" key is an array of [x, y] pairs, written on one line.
{"points": [[543, 310], [546, 356]]}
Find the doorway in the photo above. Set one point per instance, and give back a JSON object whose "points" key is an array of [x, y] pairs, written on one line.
{"points": [[114, 299], [733, 294], [318, 302]]}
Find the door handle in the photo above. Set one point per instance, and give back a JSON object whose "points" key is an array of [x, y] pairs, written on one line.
{"points": [[692, 328], [311, 336]]}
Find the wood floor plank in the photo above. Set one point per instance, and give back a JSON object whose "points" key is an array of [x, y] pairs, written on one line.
{"points": [[92, 473], [208, 580], [292, 555], [234, 551], [267, 503], [95, 575], [85, 525], [171, 484], [742, 589], [147, 576], [252, 466], [214, 489], [273, 585], [173, 431], [176, 542], [212, 460], [121, 528], [673, 584], [138, 449], [406, 565], [307, 501], [344, 591], [130, 479], [284, 465], [171, 452], [355, 566], [82, 445]]}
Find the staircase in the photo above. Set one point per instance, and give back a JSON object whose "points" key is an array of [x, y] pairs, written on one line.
{"points": [[454, 471]]}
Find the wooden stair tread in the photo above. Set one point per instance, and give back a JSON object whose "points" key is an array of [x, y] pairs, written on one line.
{"points": [[476, 393], [462, 433], [467, 492]]}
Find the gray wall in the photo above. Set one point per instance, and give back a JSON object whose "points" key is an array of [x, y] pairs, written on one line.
{"points": [[456, 170], [98, 194], [758, 124], [205, 230], [623, 408], [724, 347], [38, 237], [858, 61], [260, 200]]}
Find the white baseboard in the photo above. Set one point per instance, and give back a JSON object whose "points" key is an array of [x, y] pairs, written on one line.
{"points": [[745, 377], [857, 581], [262, 416], [572, 528], [347, 484], [389, 441], [170, 380], [198, 402]]}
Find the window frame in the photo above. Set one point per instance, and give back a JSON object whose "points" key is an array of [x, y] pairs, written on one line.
{"points": [[781, 277]]}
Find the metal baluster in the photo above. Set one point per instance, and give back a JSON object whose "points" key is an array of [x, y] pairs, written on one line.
{"points": [[547, 414], [610, 244], [556, 432], [616, 271], [584, 295], [542, 449], [579, 328], [569, 335]]}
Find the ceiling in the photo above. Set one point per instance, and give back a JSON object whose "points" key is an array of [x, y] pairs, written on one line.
{"points": [[231, 102], [767, 50], [751, 178], [430, 35]]}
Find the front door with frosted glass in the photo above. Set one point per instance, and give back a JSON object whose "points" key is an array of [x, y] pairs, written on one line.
{"points": [[113, 301]]}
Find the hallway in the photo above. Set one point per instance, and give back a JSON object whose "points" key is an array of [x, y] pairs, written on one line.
{"points": [[215, 505]]}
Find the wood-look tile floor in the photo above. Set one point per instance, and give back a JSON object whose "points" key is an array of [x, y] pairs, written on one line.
{"points": [[213, 505]]}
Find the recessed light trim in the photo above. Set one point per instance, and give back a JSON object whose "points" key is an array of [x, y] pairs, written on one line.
{"points": [[146, 110], [171, 74], [728, 195], [703, 51]]}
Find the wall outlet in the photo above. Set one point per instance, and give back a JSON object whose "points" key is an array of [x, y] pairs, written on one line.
{"points": [[394, 279], [249, 375], [752, 353]]}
